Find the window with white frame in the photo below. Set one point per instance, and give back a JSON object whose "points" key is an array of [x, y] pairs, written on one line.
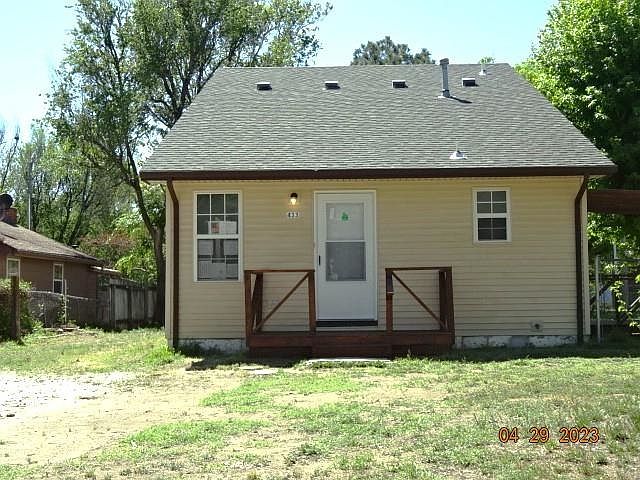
{"points": [[58, 278], [217, 236], [13, 267], [491, 215]]}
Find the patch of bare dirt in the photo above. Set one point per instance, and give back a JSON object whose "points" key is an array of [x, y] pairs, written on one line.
{"points": [[309, 400], [52, 419]]}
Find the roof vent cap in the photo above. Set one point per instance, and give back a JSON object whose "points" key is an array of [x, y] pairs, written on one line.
{"points": [[331, 85], [260, 86], [445, 78], [457, 155], [399, 84], [483, 71], [469, 82]]}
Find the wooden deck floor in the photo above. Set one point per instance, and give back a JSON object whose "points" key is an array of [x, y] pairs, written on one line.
{"points": [[350, 343]]}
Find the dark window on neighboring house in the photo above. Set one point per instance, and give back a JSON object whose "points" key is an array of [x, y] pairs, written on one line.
{"points": [[13, 267], [58, 278]]}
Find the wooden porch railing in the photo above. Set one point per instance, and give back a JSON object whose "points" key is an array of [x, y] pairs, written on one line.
{"points": [[253, 298], [445, 284]]}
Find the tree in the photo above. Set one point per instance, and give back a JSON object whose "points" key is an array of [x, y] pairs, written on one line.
{"points": [[126, 245], [486, 60], [587, 64], [179, 44], [68, 196], [8, 149], [386, 52], [133, 66]]}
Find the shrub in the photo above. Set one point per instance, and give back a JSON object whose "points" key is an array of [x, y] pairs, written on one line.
{"points": [[27, 321]]}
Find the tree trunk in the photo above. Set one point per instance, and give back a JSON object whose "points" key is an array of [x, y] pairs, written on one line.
{"points": [[161, 277]]}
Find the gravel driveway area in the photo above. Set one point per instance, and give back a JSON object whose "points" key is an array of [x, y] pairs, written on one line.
{"points": [[19, 394]]}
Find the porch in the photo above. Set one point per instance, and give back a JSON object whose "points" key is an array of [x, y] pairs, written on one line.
{"points": [[318, 341]]}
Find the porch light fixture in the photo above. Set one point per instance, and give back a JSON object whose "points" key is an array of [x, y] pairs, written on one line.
{"points": [[293, 199]]}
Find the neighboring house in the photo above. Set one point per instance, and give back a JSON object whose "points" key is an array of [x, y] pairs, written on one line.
{"points": [[344, 174], [46, 264]]}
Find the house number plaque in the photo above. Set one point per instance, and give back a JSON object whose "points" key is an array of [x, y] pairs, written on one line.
{"points": [[293, 215]]}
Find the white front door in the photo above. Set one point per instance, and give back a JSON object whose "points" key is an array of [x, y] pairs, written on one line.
{"points": [[345, 256]]}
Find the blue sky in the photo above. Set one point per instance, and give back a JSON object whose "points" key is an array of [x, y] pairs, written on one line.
{"points": [[33, 34]]}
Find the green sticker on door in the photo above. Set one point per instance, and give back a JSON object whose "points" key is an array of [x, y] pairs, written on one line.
{"points": [[344, 217]]}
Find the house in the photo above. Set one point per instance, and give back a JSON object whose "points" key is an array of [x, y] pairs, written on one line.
{"points": [[46, 264], [413, 207]]}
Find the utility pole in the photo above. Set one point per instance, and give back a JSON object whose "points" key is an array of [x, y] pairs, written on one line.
{"points": [[29, 188]]}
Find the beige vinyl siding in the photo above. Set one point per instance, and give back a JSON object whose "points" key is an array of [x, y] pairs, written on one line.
{"points": [[499, 289]]}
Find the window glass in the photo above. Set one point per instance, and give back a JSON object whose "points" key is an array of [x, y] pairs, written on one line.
{"points": [[58, 278], [345, 261], [217, 203], [217, 228], [203, 204], [483, 196], [345, 221], [13, 267], [500, 207], [492, 215], [499, 196], [231, 201]]}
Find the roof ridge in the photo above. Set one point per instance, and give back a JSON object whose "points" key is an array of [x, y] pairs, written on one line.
{"points": [[318, 67]]}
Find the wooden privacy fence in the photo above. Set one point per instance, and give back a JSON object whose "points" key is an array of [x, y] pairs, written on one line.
{"points": [[118, 306], [125, 305]]}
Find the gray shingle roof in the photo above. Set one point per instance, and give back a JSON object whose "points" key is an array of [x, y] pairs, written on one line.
{"points": [[368, 125], [29, 243]]}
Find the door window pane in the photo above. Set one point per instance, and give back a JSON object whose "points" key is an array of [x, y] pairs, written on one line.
{"points": [[345, 221], [345, 261]]}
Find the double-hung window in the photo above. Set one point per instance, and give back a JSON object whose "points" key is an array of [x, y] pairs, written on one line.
{"points": [[13, 267], [491, 215], [217, 236], [58, 278]]}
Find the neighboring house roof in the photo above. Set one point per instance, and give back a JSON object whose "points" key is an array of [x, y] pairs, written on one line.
{"points": [[299, 129], [32, 244]]}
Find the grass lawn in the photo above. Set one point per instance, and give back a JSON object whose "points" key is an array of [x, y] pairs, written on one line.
{"points": [[409, 419], [87, 351]]}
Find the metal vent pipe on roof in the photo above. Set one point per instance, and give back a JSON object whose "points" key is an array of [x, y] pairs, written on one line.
{"points": [[445, 78]]}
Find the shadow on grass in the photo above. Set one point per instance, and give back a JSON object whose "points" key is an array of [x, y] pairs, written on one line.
{"points": [[616, 342], [623, 346], [502, 354], [215, 361]]}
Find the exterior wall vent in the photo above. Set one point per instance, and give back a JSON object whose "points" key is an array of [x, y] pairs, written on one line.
{"points": [[399, 84], [263, 86], [469, 82], [331, 85]]}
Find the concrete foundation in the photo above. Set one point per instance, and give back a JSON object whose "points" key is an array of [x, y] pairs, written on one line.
{"points": [[514, 341], [218, 345]]}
